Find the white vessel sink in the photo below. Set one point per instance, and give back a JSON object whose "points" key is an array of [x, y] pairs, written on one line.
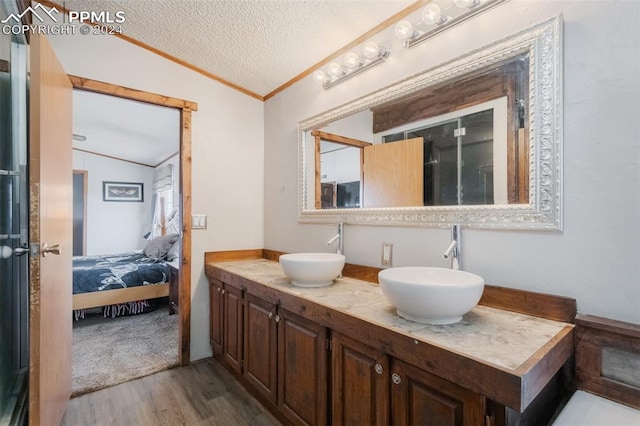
{"points": [[312, 269], [431, 295]]}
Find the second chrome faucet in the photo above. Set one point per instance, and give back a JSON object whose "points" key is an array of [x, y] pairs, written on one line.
{"points": [[454, 250], [340, 237]]}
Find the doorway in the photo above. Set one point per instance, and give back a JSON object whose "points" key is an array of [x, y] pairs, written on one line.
{"points": [[185, 109]]}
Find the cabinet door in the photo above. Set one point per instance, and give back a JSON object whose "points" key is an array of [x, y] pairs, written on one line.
{"points": [[261, 346], [360, 383], [302, 370], [420, 398], [215, 316], [232, 327]]}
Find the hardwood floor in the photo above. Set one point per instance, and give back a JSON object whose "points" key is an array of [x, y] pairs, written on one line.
{"points": [[203, 393]]}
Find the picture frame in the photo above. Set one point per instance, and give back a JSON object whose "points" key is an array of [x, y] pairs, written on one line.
{"points": [[123, 191]]}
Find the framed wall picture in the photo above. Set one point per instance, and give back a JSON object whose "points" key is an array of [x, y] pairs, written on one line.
{"points": [[123, 191]]}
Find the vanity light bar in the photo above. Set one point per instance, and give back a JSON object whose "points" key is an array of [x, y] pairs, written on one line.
{"points": [[475, 7], [354, 64], [382, 56]]}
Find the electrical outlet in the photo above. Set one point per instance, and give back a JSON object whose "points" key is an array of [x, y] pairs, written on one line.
{"points": [[387, 254]]}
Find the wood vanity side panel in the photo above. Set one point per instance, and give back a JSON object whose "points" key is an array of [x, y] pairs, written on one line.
{"points": [[544, 364], [593, 335]]}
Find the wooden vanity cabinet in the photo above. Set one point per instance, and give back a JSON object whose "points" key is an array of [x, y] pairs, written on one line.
{"points": [[225, 321], [359, 383], [308, 373], [421, 398]]}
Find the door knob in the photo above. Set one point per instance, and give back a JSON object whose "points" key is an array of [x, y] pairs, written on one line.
{"points": [[6, 251], [54, 249]]}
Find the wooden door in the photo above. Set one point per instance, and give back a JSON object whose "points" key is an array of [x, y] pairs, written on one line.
{"points": [[420, 398], [302, 370], [360, 383], [215, 316], [232, 327], [393, 174], [51, 210], [261, 347]]}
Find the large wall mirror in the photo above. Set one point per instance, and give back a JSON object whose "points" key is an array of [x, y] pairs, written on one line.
{"points": [[475, 141]]}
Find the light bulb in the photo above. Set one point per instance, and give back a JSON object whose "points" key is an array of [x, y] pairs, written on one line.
{"points": [[404, 30], [371, 50], [352, 60], [431, 14], [319, 76], [335, 69], [466, 3]]}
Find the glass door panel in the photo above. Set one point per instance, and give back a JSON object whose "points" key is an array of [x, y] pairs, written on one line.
{"points": [[476, 165], [13, 230]]}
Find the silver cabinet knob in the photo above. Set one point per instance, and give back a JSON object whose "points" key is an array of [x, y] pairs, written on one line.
{"points": [[223, 291], [379, 369], [396, 379], [218, 288], [54, 249], [270, 315], [277, 318]]}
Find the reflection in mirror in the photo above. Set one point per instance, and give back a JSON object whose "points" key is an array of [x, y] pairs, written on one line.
{"points": [[475, 141], [472, 148]]}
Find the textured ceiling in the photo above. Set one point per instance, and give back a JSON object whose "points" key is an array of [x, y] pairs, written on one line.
{"points": [[257, 45]]}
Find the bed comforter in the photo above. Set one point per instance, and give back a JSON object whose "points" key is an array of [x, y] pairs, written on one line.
{"points": [[117, 271]]}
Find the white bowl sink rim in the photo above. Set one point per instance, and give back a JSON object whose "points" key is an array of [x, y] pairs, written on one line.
{"points": [[431, 295], [431, 276], [312, 269]]}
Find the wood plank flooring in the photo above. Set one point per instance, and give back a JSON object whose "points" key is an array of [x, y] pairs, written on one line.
{"points": [[203, 393]]}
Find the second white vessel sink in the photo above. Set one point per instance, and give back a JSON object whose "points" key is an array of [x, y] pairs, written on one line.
{"points": [[431, 295], [312, 269]]}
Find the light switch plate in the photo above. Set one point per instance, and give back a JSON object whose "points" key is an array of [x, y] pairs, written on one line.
{"points": [[198, 221]]}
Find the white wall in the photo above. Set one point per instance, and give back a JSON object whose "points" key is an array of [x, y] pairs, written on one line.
{"points": [[596, 259], [227, 150], [114, 227]]}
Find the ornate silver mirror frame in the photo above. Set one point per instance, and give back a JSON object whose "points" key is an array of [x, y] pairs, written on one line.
{"points": [[543, 42]]}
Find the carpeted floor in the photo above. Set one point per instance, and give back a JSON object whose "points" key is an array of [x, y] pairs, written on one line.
{"points": [[109, 351]]}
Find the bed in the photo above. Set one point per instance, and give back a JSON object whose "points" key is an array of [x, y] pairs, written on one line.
{"points": [[123, 282]]}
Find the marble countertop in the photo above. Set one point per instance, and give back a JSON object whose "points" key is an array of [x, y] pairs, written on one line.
{"points": [[498, 337]]}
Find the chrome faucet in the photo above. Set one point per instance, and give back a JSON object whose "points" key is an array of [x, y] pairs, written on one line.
{"points": [[454, 251], [340, 237]]}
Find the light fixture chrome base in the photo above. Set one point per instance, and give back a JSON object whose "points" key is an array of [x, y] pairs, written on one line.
{"points": [[367, 64], [474, 9]]}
